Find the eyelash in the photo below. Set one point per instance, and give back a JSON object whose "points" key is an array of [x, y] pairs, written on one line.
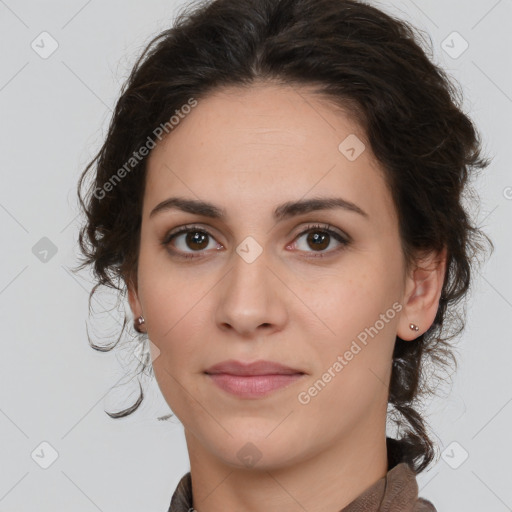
{"points": [[311, 228]]}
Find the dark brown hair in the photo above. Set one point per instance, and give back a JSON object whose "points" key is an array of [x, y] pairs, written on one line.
{"points": [[357, 56]]}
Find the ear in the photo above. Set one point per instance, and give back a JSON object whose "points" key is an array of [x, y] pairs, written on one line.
{"points": [[423, 290], [133, 297]]}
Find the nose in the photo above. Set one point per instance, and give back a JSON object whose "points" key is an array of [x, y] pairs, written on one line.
{"points": [[252, 299]]}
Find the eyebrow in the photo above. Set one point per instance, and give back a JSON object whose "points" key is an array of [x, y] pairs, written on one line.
{"points": [[282, 212]]}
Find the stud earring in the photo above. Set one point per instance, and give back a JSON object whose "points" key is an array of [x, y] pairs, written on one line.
{"points": [[414, 327], [138, 322]]}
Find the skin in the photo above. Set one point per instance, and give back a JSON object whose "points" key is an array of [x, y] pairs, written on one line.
{"points": [[248, 151]]}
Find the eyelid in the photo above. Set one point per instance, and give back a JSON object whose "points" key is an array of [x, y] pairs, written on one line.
{"points": [[169, 236], [342, 238], [185, 228], [321, 226]]}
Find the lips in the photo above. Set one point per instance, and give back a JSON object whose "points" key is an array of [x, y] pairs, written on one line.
{"points": [[260, 367], [252, 380]]}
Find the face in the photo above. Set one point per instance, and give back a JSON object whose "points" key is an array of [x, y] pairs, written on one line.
{"points": [[316, 289]]}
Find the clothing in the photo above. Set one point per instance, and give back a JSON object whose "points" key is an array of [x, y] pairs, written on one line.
{"points": [[397, 491]]}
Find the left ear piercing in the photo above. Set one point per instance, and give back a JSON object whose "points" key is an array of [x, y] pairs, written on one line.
{"points": [[138, 322], [414, 327]]}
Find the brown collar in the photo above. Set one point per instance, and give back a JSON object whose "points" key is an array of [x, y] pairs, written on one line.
{"points": [[397, 491]]}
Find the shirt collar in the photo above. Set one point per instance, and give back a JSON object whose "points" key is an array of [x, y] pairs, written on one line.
{"points": [[397, 491]]}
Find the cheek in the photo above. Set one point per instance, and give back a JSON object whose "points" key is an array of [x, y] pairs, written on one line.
{"points": [[167, 297], [351, 381], [360, 315], [174, 315], [346, 302]]}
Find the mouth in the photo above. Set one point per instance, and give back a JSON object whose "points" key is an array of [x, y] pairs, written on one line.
{"points": [[260, 367], [252, 380], [253, 386]]}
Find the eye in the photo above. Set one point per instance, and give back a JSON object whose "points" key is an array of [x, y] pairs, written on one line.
{"points": [[189, 237], [320, 238], [192, 241]]}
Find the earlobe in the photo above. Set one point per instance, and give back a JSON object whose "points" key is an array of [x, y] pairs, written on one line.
{"points": [[133, 299], [135, 306], [423, 291], [414, 327]]}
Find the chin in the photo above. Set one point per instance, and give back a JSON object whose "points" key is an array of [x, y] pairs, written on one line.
{"points": [[263, 449]]}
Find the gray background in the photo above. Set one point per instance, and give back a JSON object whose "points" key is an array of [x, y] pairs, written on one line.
{"points": [[54, 387]]}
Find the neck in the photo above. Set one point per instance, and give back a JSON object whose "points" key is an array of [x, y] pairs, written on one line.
{"points": [[325, 482]]}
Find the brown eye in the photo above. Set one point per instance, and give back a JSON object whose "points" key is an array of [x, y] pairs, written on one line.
{"points": [[318, 238], [196, 240], [189, 240]]}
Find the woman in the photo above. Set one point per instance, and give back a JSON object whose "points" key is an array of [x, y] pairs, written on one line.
{"points": [[280, 194]]}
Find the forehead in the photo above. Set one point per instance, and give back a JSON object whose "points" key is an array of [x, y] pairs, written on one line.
{"points": [[264, 145], [265, 116]]}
